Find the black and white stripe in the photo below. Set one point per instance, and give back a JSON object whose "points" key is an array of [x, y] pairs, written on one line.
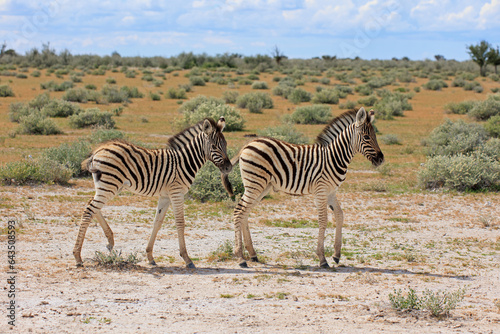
{"points": [[167, 173], [270, 164]]}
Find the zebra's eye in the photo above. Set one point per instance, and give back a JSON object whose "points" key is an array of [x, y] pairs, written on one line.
{"points": [[366, 137], [213, 147]]}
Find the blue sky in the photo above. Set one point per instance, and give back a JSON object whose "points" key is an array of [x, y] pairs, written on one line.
{"points": [[379, 29]]}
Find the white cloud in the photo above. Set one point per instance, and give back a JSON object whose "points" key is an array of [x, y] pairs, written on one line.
{"points": [[129, 19], [489, 15]]}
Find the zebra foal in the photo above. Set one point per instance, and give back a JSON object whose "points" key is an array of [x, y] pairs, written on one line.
{"points": [[319, 169], [167, 173]]}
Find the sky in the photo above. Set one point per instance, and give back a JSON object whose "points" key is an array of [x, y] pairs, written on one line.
{"points": [[376, 29]]}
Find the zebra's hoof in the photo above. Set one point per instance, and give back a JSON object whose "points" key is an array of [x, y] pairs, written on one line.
{"points": [[324, 265], [336, 259], [152, 262], [244, 264], [254, 259], [109, 247], [79, 265], [191, 265]]}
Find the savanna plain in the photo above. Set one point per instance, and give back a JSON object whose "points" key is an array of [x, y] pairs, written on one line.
{"points": [[398, 238]]}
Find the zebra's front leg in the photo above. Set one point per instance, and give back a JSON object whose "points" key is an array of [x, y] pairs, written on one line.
{"points": [[322, 222], [161, 210], [333, 203], [178, 206]]}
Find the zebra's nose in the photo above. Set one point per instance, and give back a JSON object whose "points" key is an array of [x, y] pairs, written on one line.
{"points": [[378, 160], [226, 167]]}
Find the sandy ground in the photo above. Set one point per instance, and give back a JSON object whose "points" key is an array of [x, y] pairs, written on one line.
{"points": [[434, 241]]}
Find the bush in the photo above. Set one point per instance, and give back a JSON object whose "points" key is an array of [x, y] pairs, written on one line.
{"points": [[113, 95], [78, 95], [207, 185], [260, 85], [60, 108], [391, 104], [476, 171], [255, 102], [368, 101], [178, 93], [69, 155], [435, 84], [154, 96], [492, 126], [285, 132], [36, 74], [298, 95], [313, 114], [460, 108], [192, 104], [18, 110], [390, 139], [282, 90], [131, 92], [31, 170], [56, 87], [348, 105], [327, 96], [196, 80], [230, 96], [92, 117], [213, 109], [451, 138], [482, 111], [364, 90], [101, 135], [37, 124]]}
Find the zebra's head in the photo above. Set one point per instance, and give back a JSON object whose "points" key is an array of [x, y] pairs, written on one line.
{"points": [[216, 148], [366, 140]]}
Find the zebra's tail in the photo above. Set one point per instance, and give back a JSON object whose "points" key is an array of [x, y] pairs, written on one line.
{"points": [[225, 177], [87, 165]]}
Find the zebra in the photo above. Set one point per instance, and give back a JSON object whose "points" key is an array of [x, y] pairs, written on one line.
{"points": [[167, 173], [270, 164]]}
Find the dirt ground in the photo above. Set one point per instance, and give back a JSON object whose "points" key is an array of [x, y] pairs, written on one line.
{"points": [[435, 241]]}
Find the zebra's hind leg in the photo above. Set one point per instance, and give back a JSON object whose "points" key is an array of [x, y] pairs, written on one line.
{"points": [[178, 206], [333, 203], [107, 230], [161, 210]]}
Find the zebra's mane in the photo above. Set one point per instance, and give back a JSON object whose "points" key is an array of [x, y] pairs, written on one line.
{"points": [[336, 126], [184, 137]]}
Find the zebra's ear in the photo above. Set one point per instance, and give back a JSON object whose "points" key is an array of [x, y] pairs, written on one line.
{"points": [[372, 115], [207, 127], [221, 123], [361, 116]]}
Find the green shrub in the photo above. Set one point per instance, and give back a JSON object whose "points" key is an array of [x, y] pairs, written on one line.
{"points": [[154, 96], [78, 95], [36, 74], [364, 89], [391, 104], [196, 80], [460, 108], [207, 185], [327, 96], [132, 92], [313, 114], [482, 111], [285, 132], [69, 155], [21, 76], [255, 102], [101, 135], [298, 95], [111, 80], [347, 105], [492, 126], [37, 124], [18, 110], [230, 96], [213, 109], [368, 101], [476, 171], [404, 303], [192, 104], [440, 303], [390, 139], [435, 84], [260, 85], [471, 85], [60, 108], [92, 117], [115, 259], [282, 90], [90, 86], [56, 87], [452, 138], [113, 95], [176, 93], [31, 170]]}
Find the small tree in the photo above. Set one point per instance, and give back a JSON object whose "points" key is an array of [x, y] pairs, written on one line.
{"points": [[479, 54], [277, 55], [494, 58]]}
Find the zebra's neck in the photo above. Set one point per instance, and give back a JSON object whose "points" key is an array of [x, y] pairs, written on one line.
{"points": [[342, 147], [193, 155]]}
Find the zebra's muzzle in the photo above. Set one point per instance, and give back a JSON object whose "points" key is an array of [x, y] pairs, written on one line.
{"points": [[226, 167], [378, 159]]}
